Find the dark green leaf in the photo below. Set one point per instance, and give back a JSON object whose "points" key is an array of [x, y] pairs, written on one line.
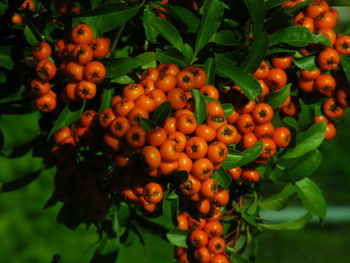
{"points": [[187, 51], [151, 33], [256, 53], [200, 112], [306, 63], [14, 137], [147, 124], [187, 17], [297, 36], [237, 159], [161, 113], [70, 114], [278, 97], [170, 56], [69, 217], [274, 3], [278, 20], [145, 58], [248, 84], [345, 64], [210, 67], [222, 178], [295, 224], [213, 11], [107, 96], [291, 122], [227, 38], [228, 109], [107, 16], [312, 198], [302, 167], [117, 67], [239, 259], [307, 141], [178, 238], [51, 31], [94, 3], [257, 13], [278, 201], [280, 50], [168, 31], [31, 35], [306, 114], [293, 10], [5, 57]]}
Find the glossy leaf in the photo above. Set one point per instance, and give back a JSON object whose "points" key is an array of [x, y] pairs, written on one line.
{"points": [[256, 53], [312, 198], [222, 178], [345, 64], [69, 114], [274, 3], [145, 59], [304, 166], [248, 84], [276, 50], [213, 11], [117, 67], [161, 113], [178, 238], [306, 114], [236, 159], [168, 31], [226, 38], [150, 31], [278, 97], [31, 35], [257, 13], [228, 108], [170, 56], [291, 122], [187, 17], [5, 57], [107, 16], [200, 112], [293, 10], [147, 124], [295, 224], [306, 63], [297, 36], [209, 67], [106, 98], [307, 141], [278, 201], [187, 51]]}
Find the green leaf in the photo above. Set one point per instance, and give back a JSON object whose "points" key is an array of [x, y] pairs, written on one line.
{"points": [[297, 36], [51, 30], [306, 63], [69, 114], [5, 57], [69, 217], [295, 224], [94, 3], [117, 67], [239, 259], [213, 11], [228, 108], [14, 137], [147, 124], [178, 238], [274, 3], [291, 122], [170, 56], [248, 84], [168, 31], [150, 31], [257, 13], [276, 50], [187, 51], [209, 67], [237, 159], [190, 20], [345, 64], [131, 250], [312, 198], [161, 113], [200, 112], [31, 35], [307, 141], [145, 59], [106, 99], [278, 97], [293, 10], [278, 20], [222, 178], [227, 38], [256, 53], [302, 167], [278, 201], [306, 114], [107, 16]]}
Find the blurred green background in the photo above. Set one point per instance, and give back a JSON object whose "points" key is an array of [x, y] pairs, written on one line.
{"points": [[30, 233]]}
